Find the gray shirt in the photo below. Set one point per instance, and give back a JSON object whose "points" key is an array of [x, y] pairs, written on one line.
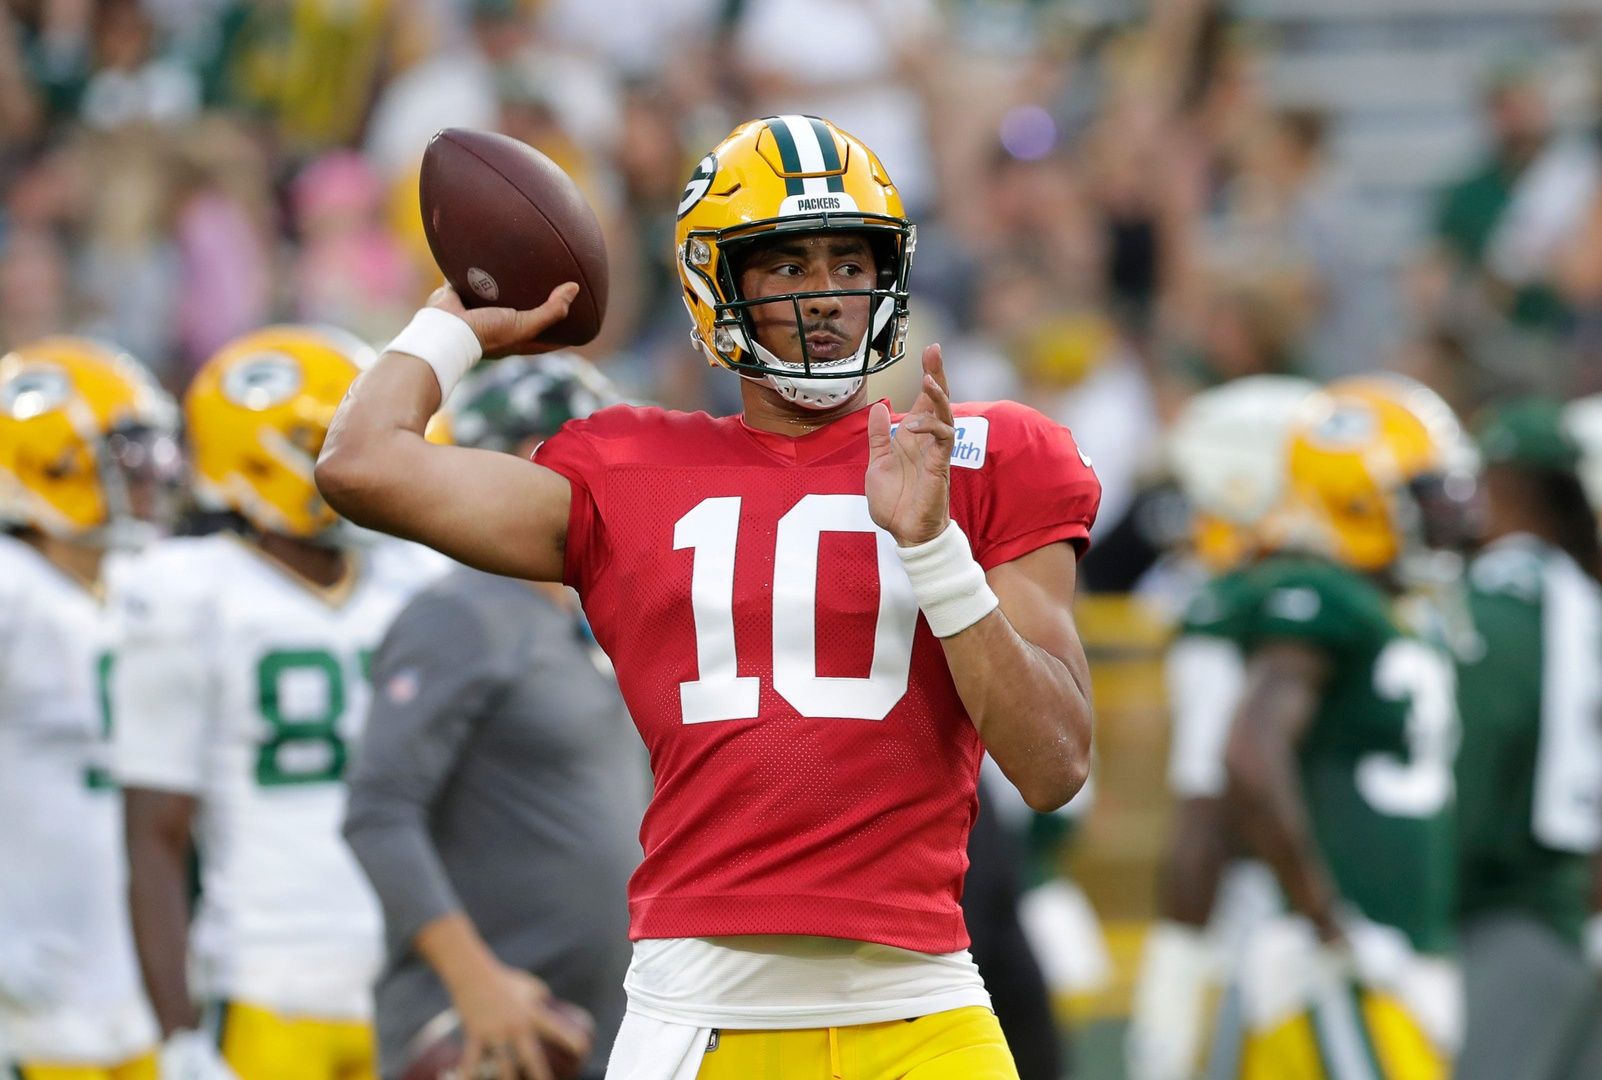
{"points": [[498, 775]]}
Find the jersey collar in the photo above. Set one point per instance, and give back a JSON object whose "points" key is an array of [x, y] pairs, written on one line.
{"points": [[849, 430]]}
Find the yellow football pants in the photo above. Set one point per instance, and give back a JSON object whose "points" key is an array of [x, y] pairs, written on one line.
{"points": [[259, 1044], [142, 1068], [960, 1044], [1373, 1039]]}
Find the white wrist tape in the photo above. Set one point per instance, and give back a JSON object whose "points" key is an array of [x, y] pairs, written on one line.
{"points": [[442, 341], [1593, 942], [949, 584]]}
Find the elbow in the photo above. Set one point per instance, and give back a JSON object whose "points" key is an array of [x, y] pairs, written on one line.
{"points": [[1052, 790], [343, 476]]}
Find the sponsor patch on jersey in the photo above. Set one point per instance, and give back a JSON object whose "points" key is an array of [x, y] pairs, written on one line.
{"points": [[402, 687], [823, 202], [973, 435]]}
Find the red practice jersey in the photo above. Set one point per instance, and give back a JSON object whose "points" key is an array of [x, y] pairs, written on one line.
{"points": [[815, 769]]}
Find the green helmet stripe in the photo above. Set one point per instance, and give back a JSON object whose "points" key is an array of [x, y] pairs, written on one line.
{"points": [[788, 154]]}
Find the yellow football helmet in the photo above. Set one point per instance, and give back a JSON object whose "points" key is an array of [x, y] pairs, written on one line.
{"points": [[82, 426], [791, 174], [1379, 470], [257, 414]]}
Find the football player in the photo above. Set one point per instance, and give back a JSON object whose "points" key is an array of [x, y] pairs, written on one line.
{"points": [[84, 432], [243, 682], [495, 800], [1227, 452], [1339, 761], [820, 615], [1530, 770]]}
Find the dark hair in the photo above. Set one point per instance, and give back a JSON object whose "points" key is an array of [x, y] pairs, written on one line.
{"points": [[1571, 521]]}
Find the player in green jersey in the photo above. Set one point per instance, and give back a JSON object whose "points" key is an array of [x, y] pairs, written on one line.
{"points": [[1226, 452], [1339, 760], [1530, 771]]}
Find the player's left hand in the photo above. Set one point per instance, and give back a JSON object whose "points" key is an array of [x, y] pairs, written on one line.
{"points": [[908, 482]]}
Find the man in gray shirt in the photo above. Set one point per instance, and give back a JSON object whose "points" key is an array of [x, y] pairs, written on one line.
{"points": [[496, 797]]}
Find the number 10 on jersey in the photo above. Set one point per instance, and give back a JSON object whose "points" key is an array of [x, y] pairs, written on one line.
{"points": [[711, 531]]}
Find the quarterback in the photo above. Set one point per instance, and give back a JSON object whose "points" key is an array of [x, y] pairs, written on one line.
{"points": [[820, 618]]}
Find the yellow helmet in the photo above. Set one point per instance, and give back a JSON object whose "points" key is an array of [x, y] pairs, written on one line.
{"points": [[1226, 451], [79, 421], [1379, 469], [256, 415], [791, 174]]}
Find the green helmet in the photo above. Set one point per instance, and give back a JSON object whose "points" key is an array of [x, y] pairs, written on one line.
{"points": [[501, 406]]}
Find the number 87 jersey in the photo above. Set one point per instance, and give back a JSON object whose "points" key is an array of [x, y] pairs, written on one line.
{"points": [[241, 685], [815, 769]]}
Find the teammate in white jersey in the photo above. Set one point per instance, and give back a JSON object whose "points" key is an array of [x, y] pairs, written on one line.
{"points": [[242, 684], [82, 430]]}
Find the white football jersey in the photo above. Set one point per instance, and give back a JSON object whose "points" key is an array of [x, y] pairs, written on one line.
{"points": [[243, 685], [63, 895]]}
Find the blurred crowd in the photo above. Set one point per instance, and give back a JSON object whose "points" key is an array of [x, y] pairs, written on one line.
{"points": [[1114, 211]]}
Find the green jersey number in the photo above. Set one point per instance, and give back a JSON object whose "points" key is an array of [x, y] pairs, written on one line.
{"points": [[1419, 785], [302, 698], [98, 778]]}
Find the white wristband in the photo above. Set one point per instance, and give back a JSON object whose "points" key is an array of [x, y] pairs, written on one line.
{"points": [[949, 584], [442, 341], [1593, 942]]}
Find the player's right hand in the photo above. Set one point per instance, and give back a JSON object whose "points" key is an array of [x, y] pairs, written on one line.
{"points": [[506, 331], [192, 1055], [34, 970], [504, 1016]]}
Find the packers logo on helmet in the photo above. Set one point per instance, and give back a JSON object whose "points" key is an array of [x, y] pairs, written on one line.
{"points": [[1380, 473], [257, 414], [791, 175], [86, 442]]}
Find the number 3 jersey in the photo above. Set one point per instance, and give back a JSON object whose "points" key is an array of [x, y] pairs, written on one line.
{"points": [[1376, 762], [245, 687], [63, 880], [815, 769]]}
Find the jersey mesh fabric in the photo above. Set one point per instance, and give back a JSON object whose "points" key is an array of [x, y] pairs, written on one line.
{"points": [[788, 821]]}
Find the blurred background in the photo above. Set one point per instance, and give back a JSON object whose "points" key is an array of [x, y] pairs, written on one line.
{"points": [[1119, 203]]}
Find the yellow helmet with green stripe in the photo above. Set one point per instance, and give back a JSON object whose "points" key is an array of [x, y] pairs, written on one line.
{"points": [[790, 175]]}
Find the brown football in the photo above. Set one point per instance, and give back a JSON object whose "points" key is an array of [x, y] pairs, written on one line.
{"points": [[507, 226], [436, 1050]]}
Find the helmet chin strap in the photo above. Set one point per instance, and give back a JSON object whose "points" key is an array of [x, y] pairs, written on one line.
{"points": [[815, 394]]}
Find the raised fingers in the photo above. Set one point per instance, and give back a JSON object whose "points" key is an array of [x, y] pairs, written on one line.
{"points": [[934, 363]]}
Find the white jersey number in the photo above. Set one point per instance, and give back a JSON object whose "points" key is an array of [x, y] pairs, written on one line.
{"points": [[711, 530], [1421, 785]]}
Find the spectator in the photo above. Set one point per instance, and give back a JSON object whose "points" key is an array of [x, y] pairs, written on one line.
{"points": [[131, 84], [350, 270], [1497, 225]]}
